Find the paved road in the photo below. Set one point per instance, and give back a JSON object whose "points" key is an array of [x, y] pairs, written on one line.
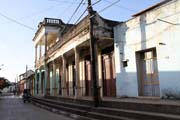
{"points": [[13, 108]]}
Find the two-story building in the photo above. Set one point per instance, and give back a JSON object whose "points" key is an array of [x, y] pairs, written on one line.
{"points": [[62, 58]]}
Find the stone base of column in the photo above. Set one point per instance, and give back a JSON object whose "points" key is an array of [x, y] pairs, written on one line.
{"points": [[64, 92], [78, 92]]}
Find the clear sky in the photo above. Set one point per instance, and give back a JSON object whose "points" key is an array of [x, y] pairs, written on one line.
{"points": [[16, 45]]}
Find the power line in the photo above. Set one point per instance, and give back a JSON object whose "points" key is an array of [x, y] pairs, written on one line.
{"points": [[86, 10], [120, 6], [80, 16], [63, 1], [17, 22], [73, 15], [66, 9], [109, 6], [36, 13], [75, 11]]}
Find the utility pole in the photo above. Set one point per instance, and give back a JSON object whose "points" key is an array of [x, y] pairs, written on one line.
{"points": [[93, 55]]}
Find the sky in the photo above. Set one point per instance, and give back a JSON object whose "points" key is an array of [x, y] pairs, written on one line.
{"points": [[19, 20]]}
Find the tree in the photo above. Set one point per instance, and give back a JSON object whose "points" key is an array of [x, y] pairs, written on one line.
{"points": [[4, 83]]}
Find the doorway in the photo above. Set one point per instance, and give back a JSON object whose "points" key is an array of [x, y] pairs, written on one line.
{"points": [[148, 73]]}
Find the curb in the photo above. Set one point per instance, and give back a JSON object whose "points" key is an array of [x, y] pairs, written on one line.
{"points": [[67, 114]]}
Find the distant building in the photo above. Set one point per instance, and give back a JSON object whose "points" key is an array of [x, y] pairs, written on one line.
{"points": [[25, 81]]}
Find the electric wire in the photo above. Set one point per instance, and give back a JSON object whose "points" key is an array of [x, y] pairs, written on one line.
{"points": [[17, 22], [120, 6], [109, 6], [35, 13], [63, 1], [85, 11], [67, 8], [72, 15], [75, 11]]}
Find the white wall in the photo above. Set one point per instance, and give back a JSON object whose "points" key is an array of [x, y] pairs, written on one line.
{"points": [[143, 32]]}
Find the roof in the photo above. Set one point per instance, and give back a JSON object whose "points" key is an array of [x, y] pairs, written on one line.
{"points": [[53, 22], [27, 74], [152, 7]]}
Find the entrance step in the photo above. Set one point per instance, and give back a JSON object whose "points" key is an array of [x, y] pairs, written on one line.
{"points": [[136, 114], [114, 110], [156, 106]]}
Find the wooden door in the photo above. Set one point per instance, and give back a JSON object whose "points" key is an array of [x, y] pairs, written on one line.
{"points": [[109, 81], [149, 74]]}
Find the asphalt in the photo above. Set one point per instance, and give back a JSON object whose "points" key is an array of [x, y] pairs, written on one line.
{"points": [[13, 108]]}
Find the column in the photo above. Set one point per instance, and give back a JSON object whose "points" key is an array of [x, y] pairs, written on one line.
{"points": [[35, 54], [46, 90], [54, 79], [78, 89], [40, 51], [45, 66], [35, 83], [45, 43], [64, 91], [100, 76], [40, 81]]}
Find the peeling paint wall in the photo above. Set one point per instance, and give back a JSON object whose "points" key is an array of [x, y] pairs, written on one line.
{"points": [[158, 28]]}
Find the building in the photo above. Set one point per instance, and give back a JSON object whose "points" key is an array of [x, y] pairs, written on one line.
{"points": [[25, 81], [62, 60], [147, 52]]}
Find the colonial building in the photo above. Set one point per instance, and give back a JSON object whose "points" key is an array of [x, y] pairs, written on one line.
{"points": [[26, 81], [147, 52], [62, 58]]}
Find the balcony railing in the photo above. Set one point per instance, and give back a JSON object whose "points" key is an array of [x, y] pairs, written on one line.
{"points": [[52, 21], [82, 28]]}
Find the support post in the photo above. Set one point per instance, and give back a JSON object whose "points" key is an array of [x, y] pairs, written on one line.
{"points": [[64, 88], [78, 89], [93, 55]]}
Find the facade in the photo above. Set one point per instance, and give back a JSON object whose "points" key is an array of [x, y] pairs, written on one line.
{"points": [[147, 52], [26, 81], [62, 60]]}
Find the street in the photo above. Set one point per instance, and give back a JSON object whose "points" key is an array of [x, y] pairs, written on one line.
{"points": [[13, 108]]}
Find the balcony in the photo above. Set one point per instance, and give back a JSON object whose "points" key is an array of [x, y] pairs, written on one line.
{"points": [[52, 21], [40, 61], [78, 30]]}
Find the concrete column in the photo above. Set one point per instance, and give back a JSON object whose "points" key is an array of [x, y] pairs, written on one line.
{"points": [[35, 83], [46, 91], [35, 54], [40, 50], [78, 89], [45, 41], [100, 76], [40, 81], [64, 89], [54, 79]]}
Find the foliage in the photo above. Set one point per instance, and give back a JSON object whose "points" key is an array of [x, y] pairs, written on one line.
{"points": [[4, 83]]}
